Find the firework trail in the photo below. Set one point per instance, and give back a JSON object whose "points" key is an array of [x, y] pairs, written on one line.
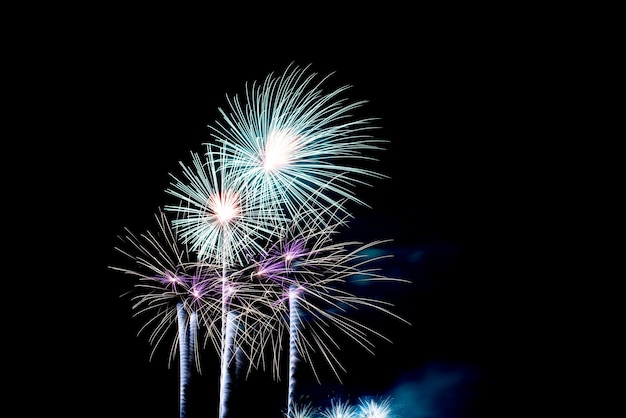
{"points": [[183, 336], [293, 349], [186, 338]]}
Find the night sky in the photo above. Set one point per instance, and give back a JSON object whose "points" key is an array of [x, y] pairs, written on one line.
{"points": [[453, 104]]}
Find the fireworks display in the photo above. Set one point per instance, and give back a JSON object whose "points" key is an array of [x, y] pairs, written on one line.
{"points": [[289, 140], [251, 254], [273, 218]]}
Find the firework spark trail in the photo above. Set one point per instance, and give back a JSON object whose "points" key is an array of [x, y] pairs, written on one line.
{"points": [[293, 349], [227, 356], [192, 338], [230, 209], [184, 327]]}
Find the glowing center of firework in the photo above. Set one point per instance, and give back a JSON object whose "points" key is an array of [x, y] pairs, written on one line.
{"points": [[280, 148], [292, 251], [170, 279], [225, 206]]}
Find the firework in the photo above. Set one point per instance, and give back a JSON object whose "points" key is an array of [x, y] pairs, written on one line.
{"points": [[340, 409], [303, 410], [170, 288], [180, 295], [186, 338], [297, 147], [250, 257], [220, 219], [314, 274], [371, 408], [289, 140], [223, 221]]}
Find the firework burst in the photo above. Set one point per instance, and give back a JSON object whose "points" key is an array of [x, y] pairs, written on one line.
{"points": [[339, 409], [171, 288], [371, 408], [303, 410], [290, 140], [181, 296], [168, 276], [221, 220], [313, 275]]}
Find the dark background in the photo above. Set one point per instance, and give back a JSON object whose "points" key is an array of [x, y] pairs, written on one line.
{"points": [[462, 103]]}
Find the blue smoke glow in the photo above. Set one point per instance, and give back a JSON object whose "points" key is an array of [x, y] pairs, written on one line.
{"points": [[436, 391]]}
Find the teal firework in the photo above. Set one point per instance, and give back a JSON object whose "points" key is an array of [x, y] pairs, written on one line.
{"points": [[290, 140], [222, 220]]}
